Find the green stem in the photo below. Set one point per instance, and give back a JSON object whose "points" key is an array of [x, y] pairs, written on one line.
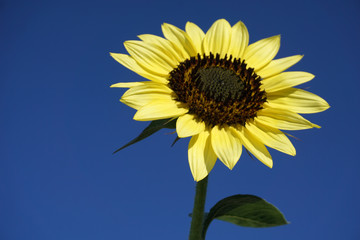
{"points": [[197, 217]]}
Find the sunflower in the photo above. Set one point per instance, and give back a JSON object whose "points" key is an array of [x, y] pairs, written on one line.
{"points": [[224, 93]]}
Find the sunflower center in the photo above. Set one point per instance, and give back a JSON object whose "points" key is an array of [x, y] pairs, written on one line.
{"points": [[218, 91], [219, 83]]}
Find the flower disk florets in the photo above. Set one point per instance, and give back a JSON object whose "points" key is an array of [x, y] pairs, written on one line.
{"points": [[218, 91]]}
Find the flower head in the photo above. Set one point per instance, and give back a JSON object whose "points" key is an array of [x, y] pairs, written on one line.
{"points": [[224, 93]]}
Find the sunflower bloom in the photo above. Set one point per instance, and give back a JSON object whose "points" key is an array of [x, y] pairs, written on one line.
{"points": [[224, 93]]}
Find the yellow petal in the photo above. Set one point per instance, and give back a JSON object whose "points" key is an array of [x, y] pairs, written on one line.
{"points": [[260, 53], [278, 65], [196, 35], [254, 146], [285, 80], [179, 39], [282, 119], [297, 100], [127, 84], [226, 145], [149, 57], [271, 137], [137, 103], [130, 63], [149, 87], [239, 40], [217, 38], [164, 45], [160, 109], [187, 126], [201, 156], [142, 95]]}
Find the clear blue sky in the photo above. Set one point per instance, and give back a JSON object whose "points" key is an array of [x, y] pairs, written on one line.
{"points": [[60, 123]]}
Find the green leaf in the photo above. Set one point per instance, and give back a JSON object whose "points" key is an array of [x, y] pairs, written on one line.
{"points": [[246, 211], [153, 127]]}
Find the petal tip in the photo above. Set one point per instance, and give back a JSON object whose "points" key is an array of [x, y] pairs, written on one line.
{"points": [[128, 43], [223, 20], [270, 165], [276, 38], [240, 22], [181, 135], [116, 85], [231, 167], [165, 25], [137, 116], [198, 178], [113, 55]]}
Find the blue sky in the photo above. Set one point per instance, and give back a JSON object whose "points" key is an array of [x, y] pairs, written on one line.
{"points": [[60, 123]]}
